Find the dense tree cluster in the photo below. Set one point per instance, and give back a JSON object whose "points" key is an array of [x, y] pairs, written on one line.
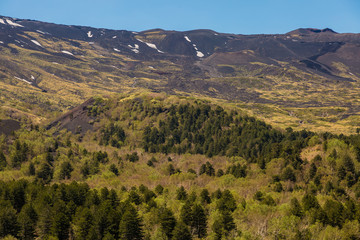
{"points": [[203, 130]]}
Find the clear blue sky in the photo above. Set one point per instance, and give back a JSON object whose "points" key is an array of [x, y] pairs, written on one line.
{"points": [[229, 16]]}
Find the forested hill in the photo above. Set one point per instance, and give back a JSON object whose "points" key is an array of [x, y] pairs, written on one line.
{"points": [[151, 166]]}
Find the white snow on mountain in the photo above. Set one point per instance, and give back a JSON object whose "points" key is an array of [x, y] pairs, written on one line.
{"points": [[1, 42], [135, 49], [67, 52], [89, 34], [117, 50], [36, 42], [2, 21], [40, 32], [187, 39], [13, 24], [23, 80], [199, 54], [151, 45]]}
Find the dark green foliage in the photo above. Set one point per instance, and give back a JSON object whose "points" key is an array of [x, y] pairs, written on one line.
{"points": [[181, 193], [45, 173], [223, 226], [288, 174], [150, 163], [159, 189], [31, 169], [186, 213], [295, 208], [132, 157], [205, 196], [19, 154], [8, 221], [27, 219], [181, 232], [207, 169], [226, 202], [167, 221], [100, 157], [3, 162], [348, 164], [200, 129], [114, 169], [198, 221], [219, 173], [312, 170], [130, 227], [309, 201], [237, 170], [65, 170], [83, 222], [134, 197], [278, 187], [113, 135], [334, 211]]}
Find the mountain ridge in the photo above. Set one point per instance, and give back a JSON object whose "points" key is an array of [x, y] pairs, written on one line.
{"points": [[69, 64]]}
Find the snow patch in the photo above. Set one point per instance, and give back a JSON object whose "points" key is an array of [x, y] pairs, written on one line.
{"points": [[135, 49], [216, 34], [89, 34], [91, 42], [134, 32], [117, 50], [151, 45], [2, 21], [23, 80], [55, 63], [351, 73], [67, 52], [40, 32], [13, 24], [187, 39], [199, 54], [151, 67], [36, 42], [1, 42], [32, 77], [114, 36]]}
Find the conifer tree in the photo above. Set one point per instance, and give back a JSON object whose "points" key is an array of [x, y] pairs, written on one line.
{"points": [[130, 227], [167, 221], [181, 232], [198, 221]]}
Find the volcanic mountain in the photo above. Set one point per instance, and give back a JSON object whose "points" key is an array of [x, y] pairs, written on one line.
{"points": [[47, 68]]}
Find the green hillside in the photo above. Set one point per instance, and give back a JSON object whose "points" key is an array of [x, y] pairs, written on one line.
{"points": [[154, 166]]}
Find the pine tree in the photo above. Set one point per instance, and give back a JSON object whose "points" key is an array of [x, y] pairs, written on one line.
{"points": [[295, 208], [167, 222], [65, 170], [130, 227], [8, 221], [27, 219], [205, 196], [198, 221], [227, 222], [185, 213], [181, 232], [82, 223], [181, 193]]}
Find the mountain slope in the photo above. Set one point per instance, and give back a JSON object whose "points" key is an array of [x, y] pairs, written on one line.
{"points": [[307, 76]]}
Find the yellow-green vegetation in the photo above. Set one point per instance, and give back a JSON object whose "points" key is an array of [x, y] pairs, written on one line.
{"points": [[163, 167]]}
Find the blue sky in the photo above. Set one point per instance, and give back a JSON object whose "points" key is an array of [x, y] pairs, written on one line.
{"points": [[230, 16]]}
